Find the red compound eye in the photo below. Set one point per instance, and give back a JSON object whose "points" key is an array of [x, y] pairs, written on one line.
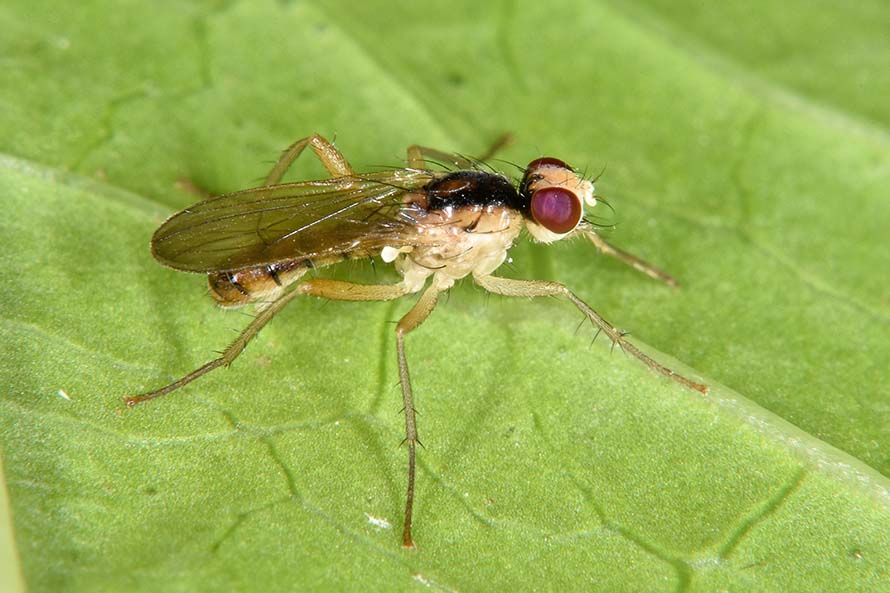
{"points": [[556, 209], [547, 161]]}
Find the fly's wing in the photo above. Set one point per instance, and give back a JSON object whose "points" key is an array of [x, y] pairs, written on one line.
{"points": [[345, 216]]}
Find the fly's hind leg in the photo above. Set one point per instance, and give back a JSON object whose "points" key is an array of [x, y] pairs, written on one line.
{"points": [[332, 159], [228, 355], [331, 289], [536, 288], [419, 155], [337, 166]]}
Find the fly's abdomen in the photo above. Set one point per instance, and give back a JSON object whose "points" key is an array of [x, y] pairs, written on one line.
{"points": [[241, 287]]}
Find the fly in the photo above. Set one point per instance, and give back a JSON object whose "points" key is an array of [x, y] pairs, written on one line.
{"points": [[435, 226]]}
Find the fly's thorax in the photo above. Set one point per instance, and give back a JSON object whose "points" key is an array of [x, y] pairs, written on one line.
{"points": [[264, 283], [452, 243], [554, 197], [468, 188]]}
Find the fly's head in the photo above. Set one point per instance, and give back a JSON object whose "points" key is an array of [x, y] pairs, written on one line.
{"points": [[554, 197]]}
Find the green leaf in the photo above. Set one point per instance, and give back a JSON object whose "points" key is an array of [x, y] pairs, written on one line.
{"points": [[744, 148]]}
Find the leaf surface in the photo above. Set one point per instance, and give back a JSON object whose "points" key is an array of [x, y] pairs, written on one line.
{"points": [[730, 159]]}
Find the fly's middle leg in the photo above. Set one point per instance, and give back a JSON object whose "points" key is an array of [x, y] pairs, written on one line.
{"points": [[347, 291], [409, 322], [418, 155]]}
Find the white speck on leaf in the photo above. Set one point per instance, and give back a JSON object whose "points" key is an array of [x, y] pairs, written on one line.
{"points": [[378, 522]]}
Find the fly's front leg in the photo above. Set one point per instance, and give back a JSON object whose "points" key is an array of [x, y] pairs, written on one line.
{"points": [[330, 157], [630, 259], [419, 155], [536, 288], [409, 322]]}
